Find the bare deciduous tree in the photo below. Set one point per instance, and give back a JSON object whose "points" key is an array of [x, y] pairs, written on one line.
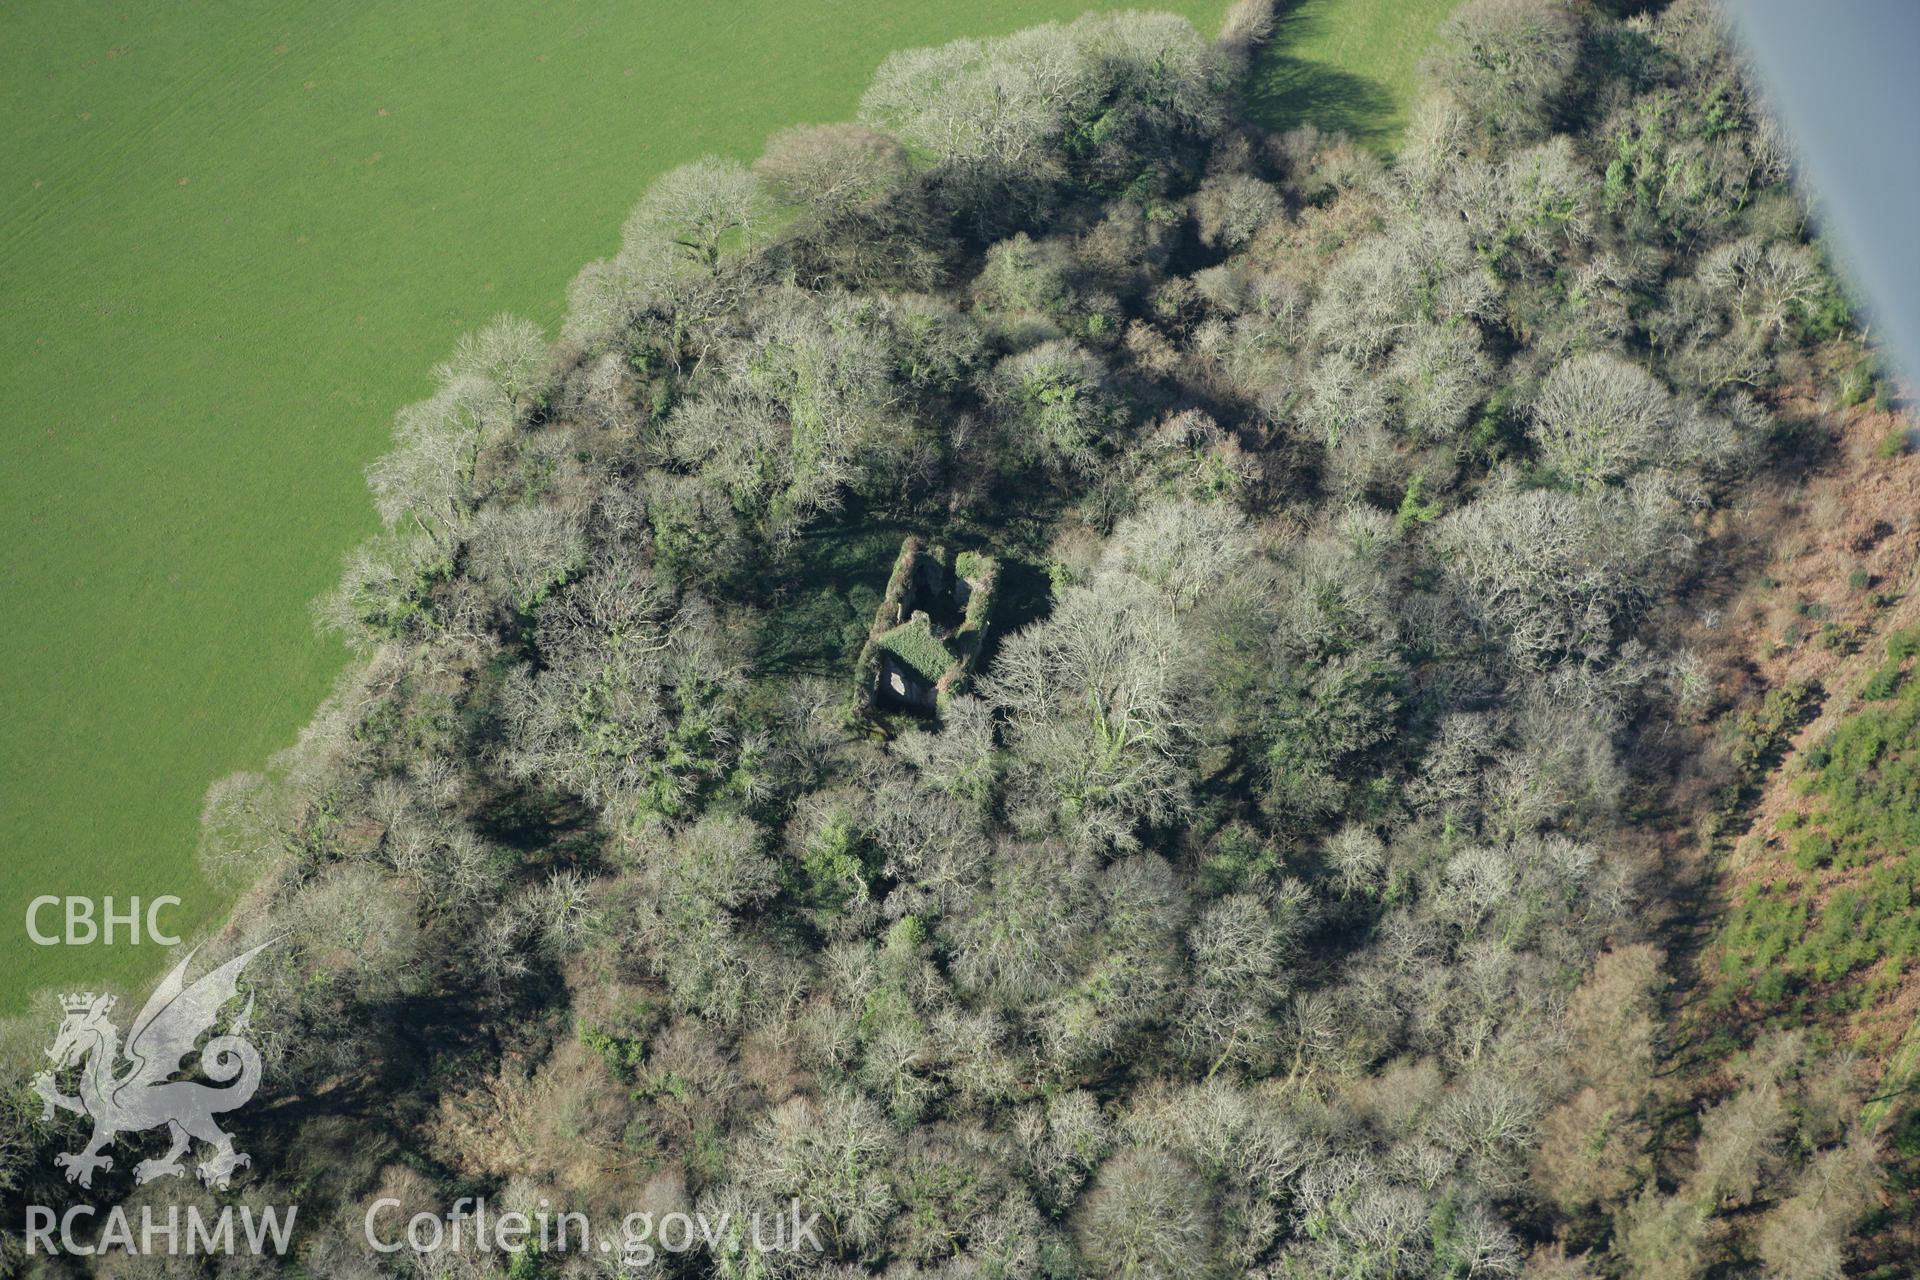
{"points": [[833, 168], [1146, 1216], [509, 354], [1239, 949], [831, 1154], [380, 593], [997, 114], [1507, 61], [1186, 549], [1805, 1237], [1231, 207], [1417, 271], [522, 553], [692, 210], [427, 479], [1600, 418], [1099, 702], [627, 672], [1557, 573], [1438, 376], [1056, 402]]}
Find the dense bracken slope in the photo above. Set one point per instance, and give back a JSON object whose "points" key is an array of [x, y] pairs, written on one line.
{"points": [[1262, 908]]}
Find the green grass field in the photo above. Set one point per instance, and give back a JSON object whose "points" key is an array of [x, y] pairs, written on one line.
{"points": [[1346, 64], [236, 237]]}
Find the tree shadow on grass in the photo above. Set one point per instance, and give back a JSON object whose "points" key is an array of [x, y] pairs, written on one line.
{"points": [[1285, 90]]}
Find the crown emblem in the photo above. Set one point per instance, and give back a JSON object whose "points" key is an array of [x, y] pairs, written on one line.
{"points": [[83, 1001]]}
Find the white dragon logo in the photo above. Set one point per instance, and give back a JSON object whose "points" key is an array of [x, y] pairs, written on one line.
{"points": [[144, 1097]]}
